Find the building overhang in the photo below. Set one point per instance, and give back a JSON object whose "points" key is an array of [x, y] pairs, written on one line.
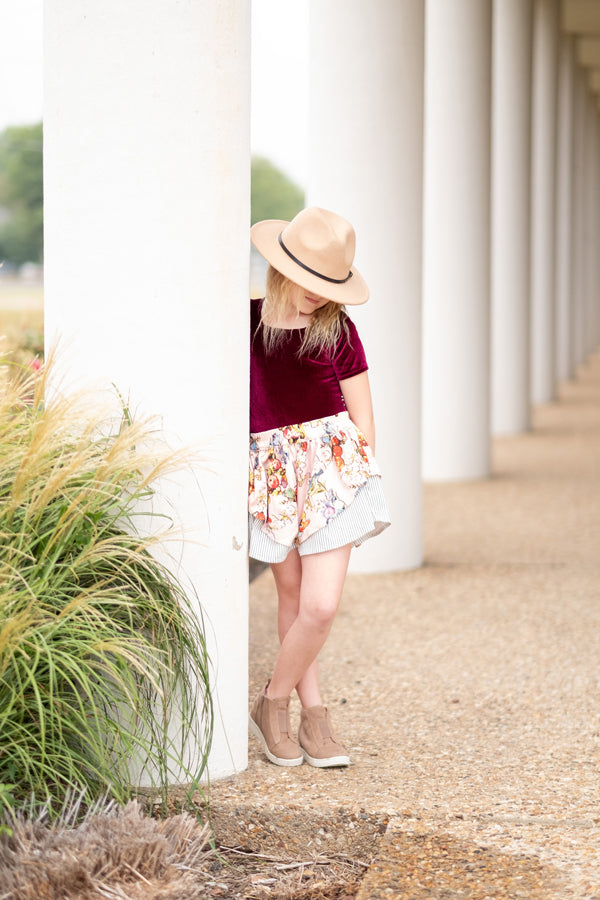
{"points": [[581, 18]]}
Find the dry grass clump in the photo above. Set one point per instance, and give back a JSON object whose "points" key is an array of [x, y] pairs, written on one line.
{"points": [[118, 853], [103, 665]]}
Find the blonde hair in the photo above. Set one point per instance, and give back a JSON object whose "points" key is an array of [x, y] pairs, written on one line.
{"points": [[323, 330]]}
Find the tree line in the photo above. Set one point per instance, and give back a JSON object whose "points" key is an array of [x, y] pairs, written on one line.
{"points": [[21, 194]]}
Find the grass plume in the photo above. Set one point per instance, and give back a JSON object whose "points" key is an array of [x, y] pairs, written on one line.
{"points": [[103, 664]]}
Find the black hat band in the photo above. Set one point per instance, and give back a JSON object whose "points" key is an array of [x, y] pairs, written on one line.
{"points": [[312, 271]]}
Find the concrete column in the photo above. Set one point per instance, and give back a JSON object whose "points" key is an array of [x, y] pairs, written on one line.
{"points": [[146, 131], [595, 328], [565, 207], [577, 233], [365, 140], [511, 220], [543, 247], [456, 281], [591, 235]]}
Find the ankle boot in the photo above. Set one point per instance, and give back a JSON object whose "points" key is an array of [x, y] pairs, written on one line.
{"points": [[319, 744], [270, 723]]}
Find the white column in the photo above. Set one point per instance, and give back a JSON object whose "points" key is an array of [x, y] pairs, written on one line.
{"points": [[592, 245], [456, 282], [366, 126], [577, 234], [543, 282], [511, 220], [595, 326], [146, 132], [587, 221], [564, 207]]}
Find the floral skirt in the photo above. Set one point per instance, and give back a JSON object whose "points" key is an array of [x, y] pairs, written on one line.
{"points": [[314, 486]]}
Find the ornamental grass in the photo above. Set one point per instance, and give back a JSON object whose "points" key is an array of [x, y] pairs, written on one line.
{"points": [[104, 674]]}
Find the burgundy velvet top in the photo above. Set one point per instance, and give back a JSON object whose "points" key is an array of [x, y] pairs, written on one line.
{"points": [[287, 390]]}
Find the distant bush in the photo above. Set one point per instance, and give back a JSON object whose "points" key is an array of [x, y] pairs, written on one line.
{"points": [[21, 194], [274, 195]]}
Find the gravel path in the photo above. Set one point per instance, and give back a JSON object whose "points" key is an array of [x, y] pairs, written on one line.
{"points": [[467, 691]]}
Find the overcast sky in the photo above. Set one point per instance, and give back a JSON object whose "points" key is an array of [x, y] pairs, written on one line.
{"points": [[280, 62], [279, 76], [20, 62]]}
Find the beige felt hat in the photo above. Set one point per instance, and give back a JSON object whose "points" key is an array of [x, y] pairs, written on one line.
{"points": [[314, 250]]}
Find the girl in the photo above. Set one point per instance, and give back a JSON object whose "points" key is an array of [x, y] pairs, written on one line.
{"points": [[315, 488]]}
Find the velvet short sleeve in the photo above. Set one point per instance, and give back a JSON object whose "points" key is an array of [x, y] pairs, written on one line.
{"points": [[288, 387], [349, 358]]}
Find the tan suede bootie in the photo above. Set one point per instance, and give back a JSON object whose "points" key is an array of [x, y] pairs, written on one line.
{"points": [[270, 723], [319, 744]]}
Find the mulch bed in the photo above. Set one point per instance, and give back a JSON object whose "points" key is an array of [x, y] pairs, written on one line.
{"points": [[121, 853]]}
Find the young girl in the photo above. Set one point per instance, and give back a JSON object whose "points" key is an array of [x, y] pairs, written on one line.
{"points": [[315, 488]]}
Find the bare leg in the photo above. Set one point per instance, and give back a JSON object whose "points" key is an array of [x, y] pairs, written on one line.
{"points": [[310, 589], [288, 579]]}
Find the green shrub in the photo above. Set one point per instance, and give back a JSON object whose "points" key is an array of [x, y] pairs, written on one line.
{"points": [[103, 665], [273, 194], [21, 194]]}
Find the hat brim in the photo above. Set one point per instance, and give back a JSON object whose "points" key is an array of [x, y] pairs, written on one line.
{"points": [[265, 237]]}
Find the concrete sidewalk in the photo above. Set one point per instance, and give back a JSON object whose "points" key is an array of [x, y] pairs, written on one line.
{"points": [[467, 692]]}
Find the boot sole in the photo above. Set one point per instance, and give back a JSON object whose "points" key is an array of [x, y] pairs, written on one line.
{"points": [[277, 760], [327, 762]]}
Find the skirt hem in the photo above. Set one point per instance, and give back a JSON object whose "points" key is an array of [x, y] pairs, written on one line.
{"points": [[364, 518]]}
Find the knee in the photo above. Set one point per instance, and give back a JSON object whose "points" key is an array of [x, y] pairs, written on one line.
{"points": [[289, 588], [319, 612], [288, 591], [288, 604]]}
